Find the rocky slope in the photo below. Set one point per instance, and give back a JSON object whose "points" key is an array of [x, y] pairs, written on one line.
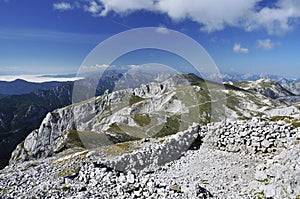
{"points": [[266, 87], [152, 110], [284, 90], [21, 114], [202, 170], [291, 85], [158, 140]]}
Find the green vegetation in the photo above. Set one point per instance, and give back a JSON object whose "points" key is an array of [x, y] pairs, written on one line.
{"points": [[280, 118], [82, 140], [69, 171], [134, 99], [119, 134], [265, 181], [142, 119], [234, 87], [65, 188], [260, 195], [171, 127], [114, 128], [28, 166], [233, 103], [295, 123], [119, 149], [193, 79], [72, 139]]}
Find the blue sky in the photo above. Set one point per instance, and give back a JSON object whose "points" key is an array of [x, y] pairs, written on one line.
{"points": [[242, 36]]}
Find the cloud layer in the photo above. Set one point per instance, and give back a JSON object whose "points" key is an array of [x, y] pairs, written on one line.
{"points": [[211, 15], [266, 44], [62, 6], [238, 49]]}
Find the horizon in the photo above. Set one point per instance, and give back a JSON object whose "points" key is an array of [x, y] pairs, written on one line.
{"points": [[257, 37], [43, 78]]}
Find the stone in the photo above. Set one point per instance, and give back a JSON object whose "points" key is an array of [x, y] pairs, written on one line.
{"points": [[130, 178], [175, 188], [244, 133], [265, 143], [260, 176]]}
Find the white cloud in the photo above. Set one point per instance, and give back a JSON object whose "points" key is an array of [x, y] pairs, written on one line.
{"points": [[121, 6], [277, 20], [162, 30], [94, 68], [238, 49], [62, 6], [211, 15], [266, 44], [93, 7]]}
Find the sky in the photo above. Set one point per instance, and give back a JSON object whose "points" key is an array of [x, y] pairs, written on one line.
{"points": [[241, 36]]}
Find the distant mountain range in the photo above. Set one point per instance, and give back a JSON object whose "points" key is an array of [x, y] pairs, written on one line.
{"points": [[292, 85], [20, 86]]}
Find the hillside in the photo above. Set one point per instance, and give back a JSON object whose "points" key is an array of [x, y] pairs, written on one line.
{"points": [[266, 87], [152, 110], [153, 139], [21, 114], [291, 85]]}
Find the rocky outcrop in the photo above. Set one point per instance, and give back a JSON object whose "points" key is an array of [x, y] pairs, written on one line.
{"points": [[249, 137], [278, 177], [102, 115], [156, 155]]}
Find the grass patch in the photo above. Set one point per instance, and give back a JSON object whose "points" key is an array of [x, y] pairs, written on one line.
{"points": [[142, 119], [119, 135], [265, 181], [114, 128], [69, 171], [280, 118], [72, 140], [171, 127], [260, 195], [295, 124], [65, 188], [28, 166], [134, 99], [120, 149], [233, 102]]}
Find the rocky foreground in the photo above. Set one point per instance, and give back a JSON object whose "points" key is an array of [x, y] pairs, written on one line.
{"points": [[220, 160]]}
